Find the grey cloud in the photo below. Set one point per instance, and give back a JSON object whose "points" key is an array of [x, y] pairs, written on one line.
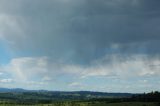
{"points": [[81, 31]]}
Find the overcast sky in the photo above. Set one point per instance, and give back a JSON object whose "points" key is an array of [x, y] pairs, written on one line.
{"points": [[96, 45]]}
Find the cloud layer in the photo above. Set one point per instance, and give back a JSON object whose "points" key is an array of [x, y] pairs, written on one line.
{"points": [[80, 31], [40, 71]]}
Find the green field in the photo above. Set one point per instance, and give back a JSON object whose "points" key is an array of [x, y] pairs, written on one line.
{"points": [[90, 104], [54, 99], [126, 104]]}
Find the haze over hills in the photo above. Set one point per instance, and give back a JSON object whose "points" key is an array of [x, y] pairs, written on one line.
{"points": [[45, 96], [90, 94], [18, 90], [22, 97]]}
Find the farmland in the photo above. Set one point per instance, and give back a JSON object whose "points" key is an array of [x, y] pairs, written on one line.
{"points": [[78, 98], [87, 104]]}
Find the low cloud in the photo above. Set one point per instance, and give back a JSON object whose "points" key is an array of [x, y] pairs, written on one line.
{"points": [[75, 84], [6, 80], [41, 69]]}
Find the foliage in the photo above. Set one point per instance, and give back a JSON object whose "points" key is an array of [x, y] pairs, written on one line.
{"points": [[75, 99]]}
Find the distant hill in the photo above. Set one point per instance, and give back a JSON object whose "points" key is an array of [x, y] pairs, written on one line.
{"points": [[31, 97], [13, 90], [24, 95], [3, 90]]}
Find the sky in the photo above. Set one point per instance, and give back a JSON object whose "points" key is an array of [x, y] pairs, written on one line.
{"points": [[73, 45]]}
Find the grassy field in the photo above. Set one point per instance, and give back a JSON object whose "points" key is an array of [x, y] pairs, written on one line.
{"points": [[126, 104], [71, 99], [90, 104]]}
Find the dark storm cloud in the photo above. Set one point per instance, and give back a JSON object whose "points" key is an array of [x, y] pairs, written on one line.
{"points": [[82, 30]]}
